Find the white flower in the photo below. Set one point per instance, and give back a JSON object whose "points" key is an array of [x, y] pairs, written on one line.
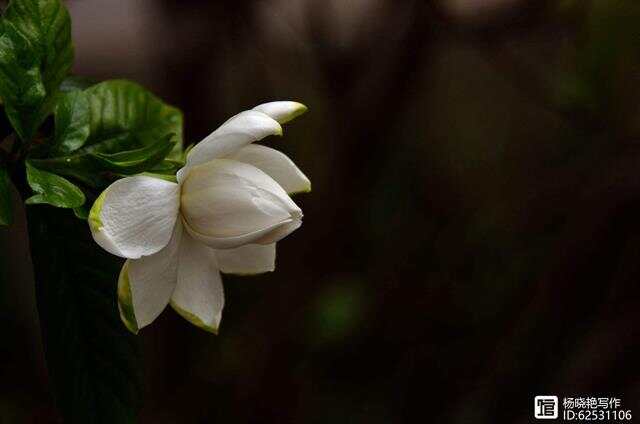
{"points": [[225, 213]]}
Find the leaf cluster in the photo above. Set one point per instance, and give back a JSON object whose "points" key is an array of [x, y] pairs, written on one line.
{"points": [[63, 139], [73, 135]]}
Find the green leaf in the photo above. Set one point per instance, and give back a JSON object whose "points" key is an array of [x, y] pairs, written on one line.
{"points": [[130, 131], [93, 361], [52, 189], [71, 122], [21, 86], [95, 167], [135, 161], [36, 54], [167, 166], [82, 212], [6, 211], [123, 108]]}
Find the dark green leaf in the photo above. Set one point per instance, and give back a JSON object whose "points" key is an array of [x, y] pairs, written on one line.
{"points": [[52, 189], [36, 54], [135, 161], [92, 359], [82, 212], [130, 131], [81, 166], [21, 86], [95, 166], [121, 107], [6, 212], [167, 166], [71, 122]]}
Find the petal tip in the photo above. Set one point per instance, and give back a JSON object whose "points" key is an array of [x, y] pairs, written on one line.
{"points": [[193, 319], [301, 108], [306, 188], [212, 330], [133, 329], [125, 300], [282, 111], [297, 109]]}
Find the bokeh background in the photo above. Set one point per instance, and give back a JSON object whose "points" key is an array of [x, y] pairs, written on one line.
{"points": [[473, 235]]}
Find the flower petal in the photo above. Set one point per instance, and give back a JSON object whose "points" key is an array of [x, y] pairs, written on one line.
{"points": [[226, 204], [280, 232], [135, 216], [145, 285], [283, 111], [275, 164], [248, 259], [198, 297], [242, 129], [262, 236]]}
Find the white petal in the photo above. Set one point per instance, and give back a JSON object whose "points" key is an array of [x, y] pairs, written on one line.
{"points": [[145, 285], [280, 232], [275, 164], [242, 129], [248, 259], [198, 297], [227, 204], [282, 112], [262, 236], [135, 216]]}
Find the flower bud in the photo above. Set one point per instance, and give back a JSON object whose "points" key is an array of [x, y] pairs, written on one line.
{"points": [[226, 204]]}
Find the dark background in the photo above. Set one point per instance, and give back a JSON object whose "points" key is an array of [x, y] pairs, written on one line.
{"points": [[473, 234]]}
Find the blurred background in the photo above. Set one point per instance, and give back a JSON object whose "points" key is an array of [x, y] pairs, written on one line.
{"points": [[473, 234]]}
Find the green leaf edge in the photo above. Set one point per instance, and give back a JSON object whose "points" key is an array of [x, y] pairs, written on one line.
{"points": [[40, 196]]}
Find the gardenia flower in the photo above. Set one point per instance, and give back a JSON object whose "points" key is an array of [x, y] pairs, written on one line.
{"points": [[228, 208]]}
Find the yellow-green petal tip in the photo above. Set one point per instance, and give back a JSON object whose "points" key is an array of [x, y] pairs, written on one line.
{"points": [[95, 223], [193, 319], [125, 300]]}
